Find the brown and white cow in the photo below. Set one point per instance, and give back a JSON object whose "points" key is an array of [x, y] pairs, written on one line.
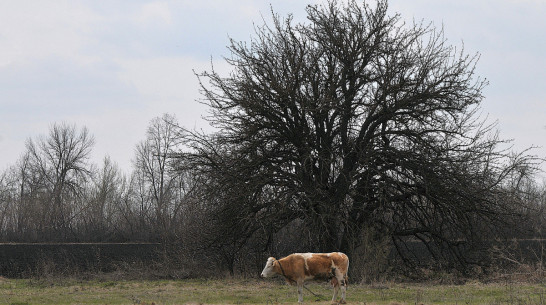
{"points": [[299, 267]]}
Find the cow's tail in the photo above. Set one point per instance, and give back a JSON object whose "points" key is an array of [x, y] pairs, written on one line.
{"points": [[346, 277]]}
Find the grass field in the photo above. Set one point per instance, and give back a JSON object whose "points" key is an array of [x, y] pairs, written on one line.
{"points": [[237, 291]]}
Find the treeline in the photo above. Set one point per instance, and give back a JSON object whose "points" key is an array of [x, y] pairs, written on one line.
{"points": [[54, 193]]}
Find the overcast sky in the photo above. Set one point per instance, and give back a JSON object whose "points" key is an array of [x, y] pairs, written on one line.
{"points": [[112, 66]]}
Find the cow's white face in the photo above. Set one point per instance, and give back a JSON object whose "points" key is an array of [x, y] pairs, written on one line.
{"points": [[269, 271]]}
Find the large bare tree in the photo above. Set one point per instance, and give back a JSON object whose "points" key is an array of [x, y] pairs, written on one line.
{"points": [[349, 121]]}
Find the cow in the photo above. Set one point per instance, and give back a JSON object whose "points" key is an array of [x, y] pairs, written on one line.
{"points": [[298, 267]]}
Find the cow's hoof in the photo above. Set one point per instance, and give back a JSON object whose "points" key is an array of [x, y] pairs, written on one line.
{"points": [[342, 302]]}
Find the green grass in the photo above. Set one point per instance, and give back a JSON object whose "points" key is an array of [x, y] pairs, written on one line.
{"points": [[238, 291]]}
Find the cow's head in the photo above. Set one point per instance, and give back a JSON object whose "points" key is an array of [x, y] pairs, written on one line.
{"points": [[269, 271]]}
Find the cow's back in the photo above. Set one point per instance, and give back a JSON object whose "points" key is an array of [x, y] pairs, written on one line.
{"points": [[318, 265]]}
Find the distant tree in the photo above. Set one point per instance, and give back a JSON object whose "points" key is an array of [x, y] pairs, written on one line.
{"points": [[7, 194], [27, 194], [156, 178], [349, 121], [100, 217], [55, 169]]}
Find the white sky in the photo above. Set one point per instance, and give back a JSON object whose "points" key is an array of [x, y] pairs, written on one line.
{"points": [[112, 66]]}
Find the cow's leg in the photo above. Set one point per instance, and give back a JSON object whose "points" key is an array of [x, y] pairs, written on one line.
{"points": [[339, 280], [300, 292], [335, 283], [343, 289]]}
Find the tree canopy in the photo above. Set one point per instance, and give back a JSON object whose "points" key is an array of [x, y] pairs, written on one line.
{"points": [[350, 121]]}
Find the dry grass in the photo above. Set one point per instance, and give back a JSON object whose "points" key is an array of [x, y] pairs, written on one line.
{"points": [[240, 291]]}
